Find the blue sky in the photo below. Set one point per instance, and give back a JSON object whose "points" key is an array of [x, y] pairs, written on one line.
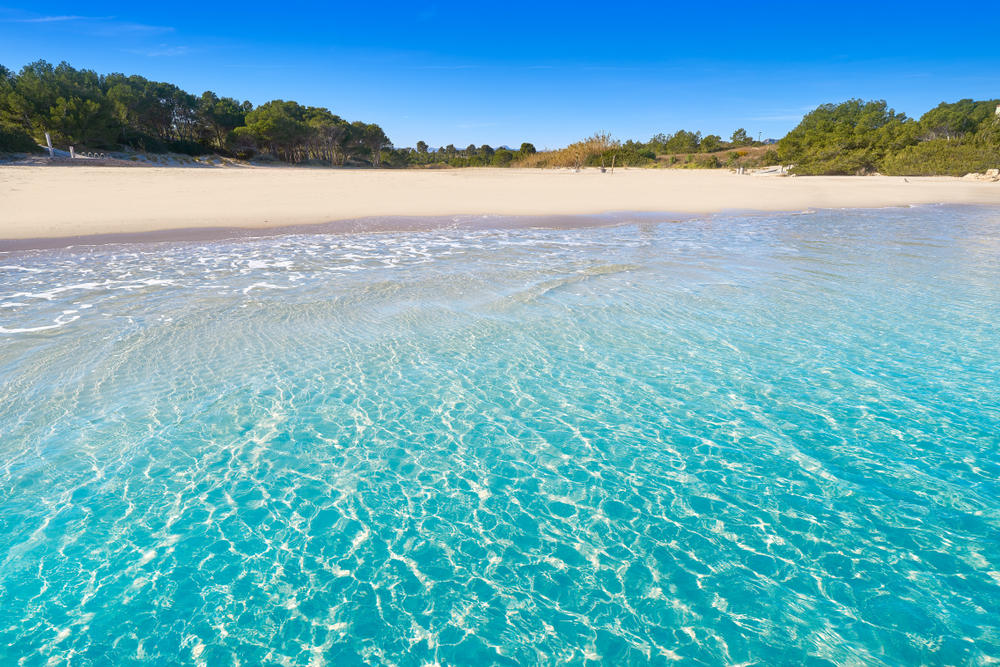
{"points": [[549, 73]]}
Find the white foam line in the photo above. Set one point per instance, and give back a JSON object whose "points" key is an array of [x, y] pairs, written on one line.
{"points": [[15, 267], [57, 325], [48, 295], [262, 286]]}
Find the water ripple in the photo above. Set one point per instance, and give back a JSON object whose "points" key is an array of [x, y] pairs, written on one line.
{"points": [[744, 439]]}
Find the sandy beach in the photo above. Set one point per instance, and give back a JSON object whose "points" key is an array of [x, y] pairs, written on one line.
{"points": [[40, 202]]}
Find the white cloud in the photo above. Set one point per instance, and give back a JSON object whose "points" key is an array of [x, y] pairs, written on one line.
{"points": [[55, 19]]}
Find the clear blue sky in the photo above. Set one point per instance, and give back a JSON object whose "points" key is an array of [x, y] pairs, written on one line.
{"points": [[549, 73]]}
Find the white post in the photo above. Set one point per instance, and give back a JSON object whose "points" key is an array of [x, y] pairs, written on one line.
{"points": [[48, 140], [72, 153]]}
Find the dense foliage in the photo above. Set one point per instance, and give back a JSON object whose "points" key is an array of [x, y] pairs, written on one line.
{"points": [[470, 156], [858, 137], [852, 137], [88, 110], [14, 139], [85, 109], [941, 157], [601, 150]]}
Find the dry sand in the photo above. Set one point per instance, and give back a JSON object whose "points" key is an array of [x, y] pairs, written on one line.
{"points": [[57, 202]]}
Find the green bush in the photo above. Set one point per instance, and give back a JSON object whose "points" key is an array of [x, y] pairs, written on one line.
{"points": [[848, 138], [15, 140], [145, 142], [833, 162], [942, 157], [502, 158], [957, 119], [187, 147]]}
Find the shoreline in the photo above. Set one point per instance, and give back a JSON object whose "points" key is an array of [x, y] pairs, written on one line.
{"points": [[367, 225], [417, 224], [44, 207]]}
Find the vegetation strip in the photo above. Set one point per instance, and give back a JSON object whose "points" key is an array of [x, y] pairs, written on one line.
{"points": [[86, 110]]}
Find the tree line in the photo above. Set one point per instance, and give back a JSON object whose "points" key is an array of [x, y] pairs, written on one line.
{"points": [[85, 109], [88, 110], [859, 137], [470, 156], [852, 137]]}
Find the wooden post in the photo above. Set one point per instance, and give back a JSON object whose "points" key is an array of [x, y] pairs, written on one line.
{"points": [[48, 140], [72, 153]]}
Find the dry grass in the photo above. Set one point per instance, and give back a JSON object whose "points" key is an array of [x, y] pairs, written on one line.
{"points": [[746, 154], [582, 153], [575, 155]]}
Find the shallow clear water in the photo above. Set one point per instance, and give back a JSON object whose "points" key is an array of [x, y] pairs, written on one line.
{"points": [[758, 439]]}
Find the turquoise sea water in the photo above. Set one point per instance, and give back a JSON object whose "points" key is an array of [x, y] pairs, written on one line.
{"points": [[765, 439]]}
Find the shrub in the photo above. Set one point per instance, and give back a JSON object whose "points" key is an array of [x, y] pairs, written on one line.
{"points": [[145, 142], [837, 161], [942, 157], [502, 158], [848, 138], [13, 139], [187, 147]]}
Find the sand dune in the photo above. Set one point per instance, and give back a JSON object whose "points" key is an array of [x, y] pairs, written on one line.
{"points": [[51, 202]]}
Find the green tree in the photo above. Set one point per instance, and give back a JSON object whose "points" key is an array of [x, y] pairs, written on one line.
{"points": [[957, 119], [682, 141], [80, 121], [502, 158], [219, 116], [32, 94], [711, 143], [658, 143], [330, 135], [373, 139], [278, 127], [848, 138], [14, 137], [740, 138]]}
